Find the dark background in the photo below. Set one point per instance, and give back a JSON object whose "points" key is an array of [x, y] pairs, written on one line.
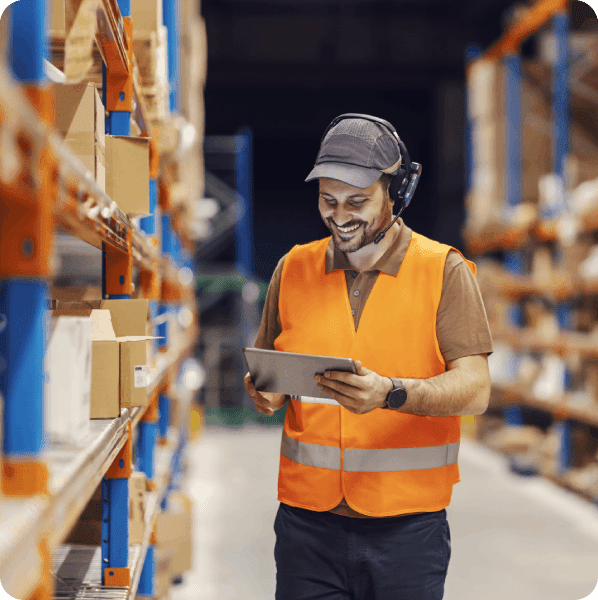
{"points": [[286, 68]]}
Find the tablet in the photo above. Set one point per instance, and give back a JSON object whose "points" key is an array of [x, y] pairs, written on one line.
{"points": [[292, 373]]}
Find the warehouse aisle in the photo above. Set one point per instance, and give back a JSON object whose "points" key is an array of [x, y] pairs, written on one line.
{"points": [[512, 537]]}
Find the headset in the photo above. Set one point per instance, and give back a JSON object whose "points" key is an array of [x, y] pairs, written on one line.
{"points": [[404, 181]]}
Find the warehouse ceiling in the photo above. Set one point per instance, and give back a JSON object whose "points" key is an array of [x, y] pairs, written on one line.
{"points": [[285, 68], [257, 41]]}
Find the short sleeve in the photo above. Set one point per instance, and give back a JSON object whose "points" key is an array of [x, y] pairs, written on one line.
{"points": [[461, 323], [270, 327]]}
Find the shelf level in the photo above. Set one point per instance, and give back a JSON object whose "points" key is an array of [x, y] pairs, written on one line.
{"points": [[77, 569], [560, 409], [74, 474]]}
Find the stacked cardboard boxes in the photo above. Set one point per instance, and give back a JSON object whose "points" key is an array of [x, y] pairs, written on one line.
{"points": [[485, 201], [119, 354], [137, 503], [150, 47]]}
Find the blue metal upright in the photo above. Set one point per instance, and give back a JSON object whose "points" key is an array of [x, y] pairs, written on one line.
{"points": [[170, 13], [512, 124], [28, 42], [565, 432], [164, 418], [22, 346], [146, 445], [163, 327], [472, 52], [512, 159], [23, 291], [146, 581], [244, 186], [115, 491], [560, 148], [115, 523], [148, 224], [560, 99]]}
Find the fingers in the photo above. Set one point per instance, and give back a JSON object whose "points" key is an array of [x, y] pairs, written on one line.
{"points": [[344, 388], [349, 379], [261, 403]]}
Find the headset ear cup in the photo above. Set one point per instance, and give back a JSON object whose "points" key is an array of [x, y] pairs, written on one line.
{"points": [[397, 186]]}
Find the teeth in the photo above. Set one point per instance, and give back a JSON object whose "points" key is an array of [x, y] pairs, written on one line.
{"points": [[347, 229]]}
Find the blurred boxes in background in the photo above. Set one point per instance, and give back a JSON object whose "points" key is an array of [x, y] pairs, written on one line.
{"points": [[68, 378], [137, 500], [146, 15], [485, 201], [80, 119], [57, 18], [174, 531]]}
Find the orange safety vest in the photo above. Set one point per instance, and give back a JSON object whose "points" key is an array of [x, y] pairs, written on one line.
{"points": [[383, 462]]}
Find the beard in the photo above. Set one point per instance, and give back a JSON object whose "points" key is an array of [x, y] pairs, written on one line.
{"points": [[365, 234]]}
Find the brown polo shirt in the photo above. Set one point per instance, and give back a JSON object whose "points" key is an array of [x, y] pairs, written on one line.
{"points": [[461, 324]]}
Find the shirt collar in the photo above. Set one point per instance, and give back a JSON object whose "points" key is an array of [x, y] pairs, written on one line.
{"points": [[389, 263]]}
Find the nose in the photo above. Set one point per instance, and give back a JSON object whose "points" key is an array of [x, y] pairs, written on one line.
{"points": [[342, 217]]}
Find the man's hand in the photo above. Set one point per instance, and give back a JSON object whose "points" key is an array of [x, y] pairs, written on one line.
{"points": [[359, 393], [265, 402]]}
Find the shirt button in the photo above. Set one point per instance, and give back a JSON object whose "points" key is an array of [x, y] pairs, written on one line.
{"points": [[353, 312], [356, 293], [354, 274]]}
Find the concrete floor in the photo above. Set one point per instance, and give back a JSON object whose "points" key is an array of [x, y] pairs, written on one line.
{"points": [[513, 538]]}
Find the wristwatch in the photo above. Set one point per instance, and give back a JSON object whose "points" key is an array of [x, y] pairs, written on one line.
{"points": [[397, 396]]}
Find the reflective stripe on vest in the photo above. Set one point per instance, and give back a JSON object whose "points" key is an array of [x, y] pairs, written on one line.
{"points": [[310, 455], [368, 460]]}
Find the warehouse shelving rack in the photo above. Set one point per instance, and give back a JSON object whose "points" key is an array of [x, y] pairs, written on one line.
{"points": [[43, 186], [510, 239]]}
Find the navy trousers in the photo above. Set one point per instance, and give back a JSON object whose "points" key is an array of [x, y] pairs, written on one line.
{"points": [[323, 556]]}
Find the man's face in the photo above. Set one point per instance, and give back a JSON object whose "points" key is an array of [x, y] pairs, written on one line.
{"points": [[343, 205]]}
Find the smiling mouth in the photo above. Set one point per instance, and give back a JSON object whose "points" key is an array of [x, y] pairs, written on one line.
{"points": [[347, 230]]}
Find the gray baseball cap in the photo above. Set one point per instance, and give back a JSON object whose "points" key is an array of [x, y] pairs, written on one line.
{"points": [[357, 152]]}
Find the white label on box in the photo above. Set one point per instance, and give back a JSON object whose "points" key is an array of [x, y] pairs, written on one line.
{"points": [[141, 376]]}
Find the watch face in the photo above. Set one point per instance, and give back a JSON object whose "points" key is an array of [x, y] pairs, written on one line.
{"points": [[397, 398]]}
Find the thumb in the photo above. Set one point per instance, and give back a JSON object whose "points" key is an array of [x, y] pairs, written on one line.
{"points": [[361, 370]]}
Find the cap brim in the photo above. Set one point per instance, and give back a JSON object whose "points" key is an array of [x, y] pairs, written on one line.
{"points": [[359, 177]]}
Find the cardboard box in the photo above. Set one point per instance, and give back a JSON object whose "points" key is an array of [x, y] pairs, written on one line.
{"points": [[68, 379], [152, 57], [127, 173], [57, 18], [174, 530], [104, 397], [76, 294], [129, 319], [146, 14], [137, 499], [80, 119], [164, 572]]}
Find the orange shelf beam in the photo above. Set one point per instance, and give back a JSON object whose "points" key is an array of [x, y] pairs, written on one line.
{"points": [[531, 22]]}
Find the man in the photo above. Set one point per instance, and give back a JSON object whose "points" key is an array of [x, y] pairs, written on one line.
{"points": [[366, 475]]}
